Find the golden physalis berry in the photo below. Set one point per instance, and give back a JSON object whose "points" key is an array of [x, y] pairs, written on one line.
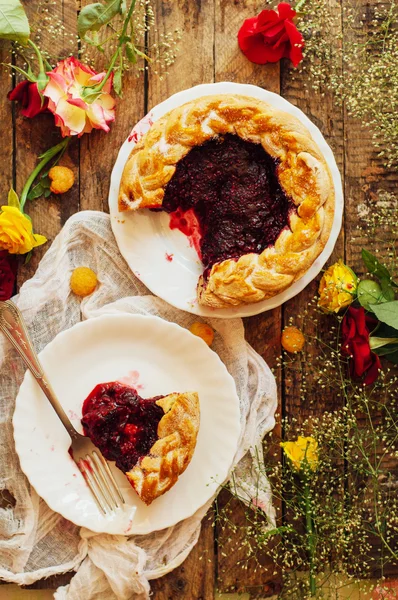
{"points": [[292, 339], [203, 331], [83, 281], [62, 179]]}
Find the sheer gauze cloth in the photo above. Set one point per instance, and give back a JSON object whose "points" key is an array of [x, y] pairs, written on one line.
{"points": [[35, 542]]}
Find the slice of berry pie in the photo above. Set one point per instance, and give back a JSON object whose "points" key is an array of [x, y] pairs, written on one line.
{"points": [[152, 440], [246, 182]]}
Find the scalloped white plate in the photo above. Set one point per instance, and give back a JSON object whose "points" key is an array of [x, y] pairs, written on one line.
{"points": [[163, 258], [157, 358]]}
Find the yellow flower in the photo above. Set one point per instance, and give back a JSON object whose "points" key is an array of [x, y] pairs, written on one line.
{"points": [[16, 232], [337, 288], [302, 452]]}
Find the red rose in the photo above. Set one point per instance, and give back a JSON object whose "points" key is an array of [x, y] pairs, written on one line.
{"points": [[8, 271], [28, 95], [271, 36], [355, 329]]}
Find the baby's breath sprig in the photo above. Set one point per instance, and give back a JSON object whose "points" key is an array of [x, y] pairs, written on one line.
{"points": [[359, 64], [351, 499], [124, 39]]}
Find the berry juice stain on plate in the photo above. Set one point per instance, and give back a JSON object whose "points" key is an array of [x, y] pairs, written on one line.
{"points": [[73, 415], [132, 379]]}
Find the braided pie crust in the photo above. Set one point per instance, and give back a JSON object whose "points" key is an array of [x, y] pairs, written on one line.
{"points": [[301, 170], [170, 455]]}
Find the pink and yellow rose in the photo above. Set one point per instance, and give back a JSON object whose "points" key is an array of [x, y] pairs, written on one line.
{"points": [[76, 109]]}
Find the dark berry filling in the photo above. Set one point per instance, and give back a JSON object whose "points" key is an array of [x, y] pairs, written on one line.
{"points": [[121, 423], [225, 195]]}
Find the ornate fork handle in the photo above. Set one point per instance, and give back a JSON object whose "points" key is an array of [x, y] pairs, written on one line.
{"points": [[13, 326]]}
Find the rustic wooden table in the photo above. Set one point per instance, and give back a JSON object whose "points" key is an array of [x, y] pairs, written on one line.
{"points": [[209, 53]]}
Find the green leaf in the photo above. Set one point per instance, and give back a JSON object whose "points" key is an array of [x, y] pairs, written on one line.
{"points": [[28, 257], [379, 342], [369, 292], [47, 193], [30, 75], [117, 82], [387, 289], [40, 188], [13, 199], [384, 331], [131, 53], [384, 350], [42, 81], [375, 267], [14, 24], [387, 313], [93, 16], [393, 357], [36, 191]]}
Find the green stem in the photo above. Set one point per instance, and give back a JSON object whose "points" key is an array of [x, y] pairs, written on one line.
{"points": [[299, 4], [309, 525], [39, 56], [97, 89], [49, 154]]}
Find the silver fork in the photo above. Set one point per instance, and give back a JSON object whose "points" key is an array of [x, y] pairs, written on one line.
{"points": [[90, 461]]}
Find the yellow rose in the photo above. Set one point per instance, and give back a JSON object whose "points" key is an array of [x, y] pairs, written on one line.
{"points": [[16, 232], [304, 451], [337, 288]]}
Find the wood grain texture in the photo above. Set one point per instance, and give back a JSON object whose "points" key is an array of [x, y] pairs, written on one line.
{"points": [[99, 150], [263, 332], [369, 186], [230, 63], [195, 578], [209, 52], [34, 136], [303, 397], [6, 120], [195, 61], [297, 375]]}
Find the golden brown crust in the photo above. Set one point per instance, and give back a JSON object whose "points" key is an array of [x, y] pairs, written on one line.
{"points": [[302, 172], [172, 452]]}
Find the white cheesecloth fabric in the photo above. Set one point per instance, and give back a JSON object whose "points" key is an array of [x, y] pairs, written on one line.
{"points": [[36, 542]]}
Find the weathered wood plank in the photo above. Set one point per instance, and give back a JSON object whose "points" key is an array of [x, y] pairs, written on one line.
{"points": [[98, 151], [195, 60], [302, 397], [230, 63], [195, 578], [6, 119], [194, 65], [369, 186], [329, 118], [34, 136], [262, 331]]}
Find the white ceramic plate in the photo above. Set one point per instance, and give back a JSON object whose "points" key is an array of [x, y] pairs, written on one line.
{"points": [[163, 258], [157, 358]]}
